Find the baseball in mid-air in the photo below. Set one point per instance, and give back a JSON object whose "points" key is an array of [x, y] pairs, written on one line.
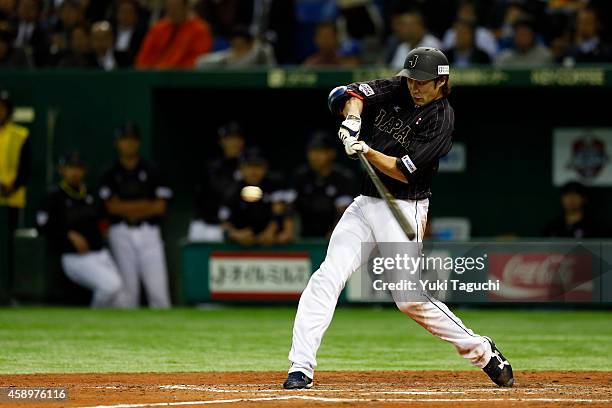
{"points": [[251, 194]]}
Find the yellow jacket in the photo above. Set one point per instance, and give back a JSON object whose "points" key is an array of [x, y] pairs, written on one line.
{"points": [[12, 139]]}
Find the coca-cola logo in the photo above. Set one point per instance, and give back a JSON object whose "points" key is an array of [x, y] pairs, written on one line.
{"points": [[541, 276], [520, 270]]}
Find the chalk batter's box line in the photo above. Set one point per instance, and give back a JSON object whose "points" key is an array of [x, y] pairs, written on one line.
{"points": [[362, 400]]}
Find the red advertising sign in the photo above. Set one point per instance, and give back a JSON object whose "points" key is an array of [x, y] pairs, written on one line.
{"points": [[542, 276], [237, 275]]}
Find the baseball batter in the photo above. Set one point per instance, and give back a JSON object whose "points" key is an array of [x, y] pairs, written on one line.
{"points": [[409, 122]]}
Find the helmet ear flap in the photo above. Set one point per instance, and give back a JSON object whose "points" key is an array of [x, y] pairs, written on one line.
{"points": [[337, 99]]}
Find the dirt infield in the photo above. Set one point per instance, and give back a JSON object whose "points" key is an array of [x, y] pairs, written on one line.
{"points": [[347, 389]]}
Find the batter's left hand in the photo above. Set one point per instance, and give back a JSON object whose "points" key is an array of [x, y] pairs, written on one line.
{"points": [[352, 146]]}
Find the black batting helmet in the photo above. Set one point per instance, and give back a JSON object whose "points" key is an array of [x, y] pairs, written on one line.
{"points": [[424, 64]]}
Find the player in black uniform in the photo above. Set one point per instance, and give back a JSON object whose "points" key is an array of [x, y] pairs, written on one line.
{"points": [[136, 198], [408, 124], [212, 190], [324, 189], [264, 220], [69, 218]]}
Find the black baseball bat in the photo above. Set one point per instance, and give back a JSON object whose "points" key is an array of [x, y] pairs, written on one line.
{"points": [[389, 199]]}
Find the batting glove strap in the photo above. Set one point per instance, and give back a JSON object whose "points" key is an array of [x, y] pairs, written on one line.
{"points": [[350, 127]]}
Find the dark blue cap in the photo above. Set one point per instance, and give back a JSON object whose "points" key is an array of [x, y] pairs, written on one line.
{"points": [[321, 140], [230, 129], [253, 155], [72, 158], [574, 187], [128, 129]]}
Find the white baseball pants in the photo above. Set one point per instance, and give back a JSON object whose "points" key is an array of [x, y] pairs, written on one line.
{"points": [[97, 271], [199, 231], [139, 252], [368, 219]]}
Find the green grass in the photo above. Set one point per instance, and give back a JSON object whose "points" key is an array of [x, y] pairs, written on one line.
{"points": [[36, 340]]}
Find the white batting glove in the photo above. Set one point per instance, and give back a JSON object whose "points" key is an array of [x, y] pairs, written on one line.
{"points": [[350, 127], [352, 146]]}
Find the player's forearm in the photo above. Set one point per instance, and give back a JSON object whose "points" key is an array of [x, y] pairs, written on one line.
{"points": [[386, 164], [153, 208], [126, 209], [230, 229], [353, 106], [270, 230], [148, 209], [288, 232], [137, 209]]}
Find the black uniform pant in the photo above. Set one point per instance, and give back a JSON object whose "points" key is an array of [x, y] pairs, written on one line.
{"points": [[12, 215]]}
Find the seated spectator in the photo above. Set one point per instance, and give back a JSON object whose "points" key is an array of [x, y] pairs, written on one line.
{"points": [[351, 53], [264, 220], [410, 32], [129, 32], [329, 50], [218, 180], [559, 47], [70, 14], [69, 218], [588, 47], [483, 38], [79, 54], [514, 12], [361, 19], [102, 45], [526, 52], [576, 221], [308, 15], [176, 40], [244, 51], [11, 57], [31, 36], [465, 52], [363, 23], [324, 189]]}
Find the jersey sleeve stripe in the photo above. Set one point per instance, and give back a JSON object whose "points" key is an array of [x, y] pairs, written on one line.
{"points": [[355, 94]]}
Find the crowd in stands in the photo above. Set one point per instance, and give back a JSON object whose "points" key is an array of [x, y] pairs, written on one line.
{"points": [[204, 34]]}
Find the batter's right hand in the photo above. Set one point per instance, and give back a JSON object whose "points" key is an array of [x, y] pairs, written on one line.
{"points": [[352, 146], [350, 127]]}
